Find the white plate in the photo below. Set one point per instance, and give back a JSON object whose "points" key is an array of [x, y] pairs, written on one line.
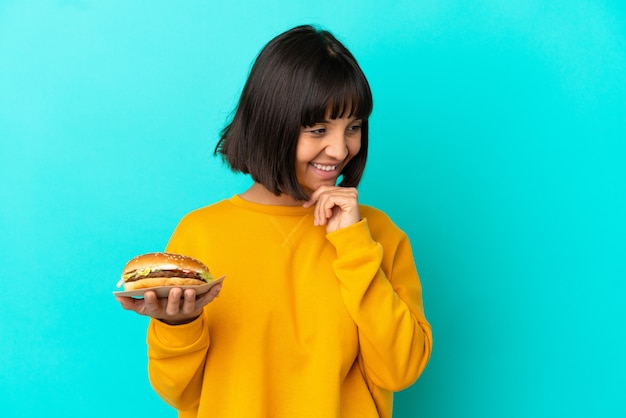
{"points": [[164, 291]]}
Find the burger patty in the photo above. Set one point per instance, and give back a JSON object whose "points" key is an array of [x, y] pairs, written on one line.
{"points": [[184, 274]]}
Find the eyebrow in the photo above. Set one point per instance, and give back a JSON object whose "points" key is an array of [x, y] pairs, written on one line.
{"points": [[351, 119]]}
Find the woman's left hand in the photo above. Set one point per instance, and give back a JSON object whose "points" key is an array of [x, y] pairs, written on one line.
{"points": [[335, 207]]}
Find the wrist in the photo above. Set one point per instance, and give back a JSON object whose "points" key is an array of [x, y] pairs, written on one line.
{"points": [[173, 322]]}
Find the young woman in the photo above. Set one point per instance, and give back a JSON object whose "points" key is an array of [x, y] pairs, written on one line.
{"points": [[321, 311]]}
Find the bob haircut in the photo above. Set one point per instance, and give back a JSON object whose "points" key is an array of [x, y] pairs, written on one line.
{"points": [[300, 78]]}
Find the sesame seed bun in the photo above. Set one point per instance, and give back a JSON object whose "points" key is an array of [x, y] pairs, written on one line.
{"points": [[164, 269]]}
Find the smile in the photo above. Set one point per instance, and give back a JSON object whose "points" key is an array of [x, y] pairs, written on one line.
{"points": [[324, 167]]}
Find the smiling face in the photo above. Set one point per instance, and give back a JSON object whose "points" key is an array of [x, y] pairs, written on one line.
{"points": [[324, 149]]}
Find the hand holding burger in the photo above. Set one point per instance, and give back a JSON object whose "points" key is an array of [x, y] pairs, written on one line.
{"points": [[163, 269]]}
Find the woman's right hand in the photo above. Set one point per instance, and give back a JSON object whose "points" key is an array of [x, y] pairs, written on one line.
{"points": [[177, 309]]}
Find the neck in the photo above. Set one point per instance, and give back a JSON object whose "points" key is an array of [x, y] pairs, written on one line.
{"points": [[259, 194]]}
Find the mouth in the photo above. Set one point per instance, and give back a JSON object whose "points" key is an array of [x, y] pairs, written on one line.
{"points": [[325, 167]]}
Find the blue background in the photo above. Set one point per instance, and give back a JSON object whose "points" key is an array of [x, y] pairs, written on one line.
{"points": [[497, 143]]}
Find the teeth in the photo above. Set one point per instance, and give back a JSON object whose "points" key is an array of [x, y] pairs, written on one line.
{"points": [[324, 167]]}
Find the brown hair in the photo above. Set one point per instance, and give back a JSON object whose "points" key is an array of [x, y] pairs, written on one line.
{"points": [[298, 79]]}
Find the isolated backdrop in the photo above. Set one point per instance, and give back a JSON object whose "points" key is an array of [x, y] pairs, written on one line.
{"points": [[497, 143]]}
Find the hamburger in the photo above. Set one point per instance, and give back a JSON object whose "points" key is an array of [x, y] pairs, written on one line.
{"points": [[163, 269]]}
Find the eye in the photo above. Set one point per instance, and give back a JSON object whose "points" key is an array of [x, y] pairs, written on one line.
{"points": [[356, 127], [317, 130]]}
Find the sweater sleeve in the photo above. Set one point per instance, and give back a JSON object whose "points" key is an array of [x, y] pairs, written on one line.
{"points": [[176, 357], [177, 354], [381, 290]]}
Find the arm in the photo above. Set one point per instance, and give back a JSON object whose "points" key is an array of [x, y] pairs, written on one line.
{"points": [[177, 353], [176, 357], [382, 292], [380, 287]]}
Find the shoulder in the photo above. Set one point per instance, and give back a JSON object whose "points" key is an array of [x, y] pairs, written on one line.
{"points": [[379, 222], [214, 216], [374, 213], [198, 227], [209, 212]]}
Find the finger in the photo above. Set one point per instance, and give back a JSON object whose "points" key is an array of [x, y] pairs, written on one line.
{"points": [[215, 290], [173, 301], [328, 208], [316, 195], [204, 299], [189, 301], [318, 198], [340, 209], [324, 208], [126, 302], [322, 213], [151, 303], [326, 198]]}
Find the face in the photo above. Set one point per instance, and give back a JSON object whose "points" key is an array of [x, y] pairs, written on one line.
{"points": [[324, 149]]}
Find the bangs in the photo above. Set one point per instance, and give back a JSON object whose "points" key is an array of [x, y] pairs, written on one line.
{"points": [[338, 90]]}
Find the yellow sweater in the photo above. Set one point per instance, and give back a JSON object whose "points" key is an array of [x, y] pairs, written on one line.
{"points": [[307, 324]]}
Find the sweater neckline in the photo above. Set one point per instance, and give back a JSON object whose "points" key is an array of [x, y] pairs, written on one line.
{"points": [[270, 209]]}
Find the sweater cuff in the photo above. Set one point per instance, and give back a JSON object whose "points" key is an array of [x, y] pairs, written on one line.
{"points": [[177, 336], [353, 239]]}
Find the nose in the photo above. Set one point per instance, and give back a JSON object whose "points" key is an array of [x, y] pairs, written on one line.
{"points": [[337, 146]]}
